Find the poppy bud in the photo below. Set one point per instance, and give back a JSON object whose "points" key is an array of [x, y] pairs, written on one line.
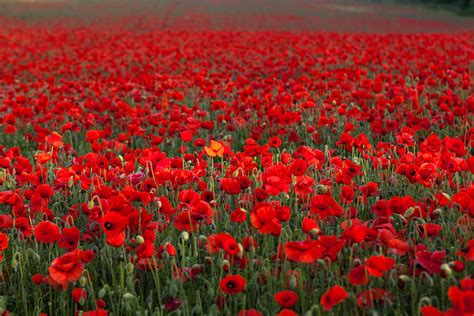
{"points": [[293, 283], [185, 235], [447, 269], [158, 205], [438, 212], [225, 264], [208, 261], [90, 205], [424, 301], [102, 293], [314, 232], [409, 212], [70, 183], [83, 281], [173, 290], [446, 195], [321, 188], [241, 250], [129, 267], [202, 239], [128, 296], [210, 292], [404, 278], [140, 240]]}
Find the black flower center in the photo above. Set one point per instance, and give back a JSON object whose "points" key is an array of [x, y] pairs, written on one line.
{"points": [[108, 225]]}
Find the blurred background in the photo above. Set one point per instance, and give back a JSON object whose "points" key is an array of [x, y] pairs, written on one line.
{"points": [[379, 16]]}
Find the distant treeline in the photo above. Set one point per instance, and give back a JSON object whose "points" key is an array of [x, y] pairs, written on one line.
{"points": [[462, 4]]}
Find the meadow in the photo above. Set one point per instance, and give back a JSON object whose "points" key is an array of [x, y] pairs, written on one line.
{"points": [[235, 158]]}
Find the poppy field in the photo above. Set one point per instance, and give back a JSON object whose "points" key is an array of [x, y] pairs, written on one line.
{"points": [[246, 163]]}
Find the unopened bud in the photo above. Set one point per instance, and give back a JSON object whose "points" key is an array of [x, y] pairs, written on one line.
{"points": [[185, 235], [128, 296], [129, 267], [140, 240], [90, 205], [321, 188], [404, 278], [447, 269], [83, 281], [409, 212]]}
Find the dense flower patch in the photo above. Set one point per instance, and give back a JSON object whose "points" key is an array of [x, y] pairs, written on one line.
{"points": [[245, 173]]}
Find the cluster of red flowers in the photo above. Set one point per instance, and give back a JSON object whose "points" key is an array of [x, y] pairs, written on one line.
{"points": [[333, 171]]}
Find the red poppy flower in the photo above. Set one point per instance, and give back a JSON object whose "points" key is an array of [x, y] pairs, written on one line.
{"points": [[47, 232], [3, 241], [264, 218], [332, 297], [79, 295], [377, 265], [69, 238], [373, 296], [286, 299], [249, 312], [324, 205], [232, 284], [307, 251], [67, 268]]}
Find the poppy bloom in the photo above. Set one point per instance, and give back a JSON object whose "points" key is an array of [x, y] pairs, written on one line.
{"points": [[324, 205], [55, 139], [332, 297], [114, 225], [46, 232], [232, 284], [264, 218], [79, 295], [307, 251], [215, 149], [249, 312], [3, 241], [286, 299], [377, 265], [69, 238], [373, 296], [67, 268]]}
